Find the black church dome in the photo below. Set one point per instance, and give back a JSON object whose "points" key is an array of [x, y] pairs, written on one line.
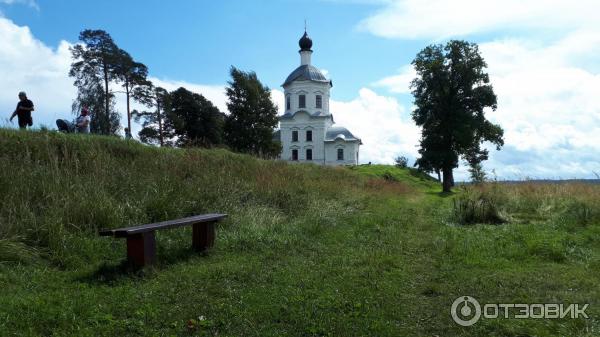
{"points": [[305, 42]]}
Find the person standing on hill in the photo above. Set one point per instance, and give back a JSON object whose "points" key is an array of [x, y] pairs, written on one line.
{"points": [[23, 111]]}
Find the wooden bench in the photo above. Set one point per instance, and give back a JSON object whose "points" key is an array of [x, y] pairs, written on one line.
{"points": [[141, 242]]}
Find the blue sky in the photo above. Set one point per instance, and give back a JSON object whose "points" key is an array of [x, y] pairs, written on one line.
{"points": [[542, 58], [197, 41]]}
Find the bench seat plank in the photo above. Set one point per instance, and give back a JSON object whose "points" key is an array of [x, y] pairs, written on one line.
{"points": [[128, 231]]}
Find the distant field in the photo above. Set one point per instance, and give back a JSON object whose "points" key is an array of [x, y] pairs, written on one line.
{"points": [[547, 181], [306, 251]]}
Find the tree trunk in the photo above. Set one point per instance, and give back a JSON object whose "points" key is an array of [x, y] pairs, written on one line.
{"points": [[160, 127], [447, 183], [106, 103], [128, 109]]}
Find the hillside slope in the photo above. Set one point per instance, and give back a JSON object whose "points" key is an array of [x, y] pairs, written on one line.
{"points": [[306, 251], [56, 185]]}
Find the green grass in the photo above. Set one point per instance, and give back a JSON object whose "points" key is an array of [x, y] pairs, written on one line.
{"points": [[306, 251]]}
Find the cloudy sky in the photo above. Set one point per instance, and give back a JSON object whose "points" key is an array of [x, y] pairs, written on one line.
{"points": [[542, 57]]}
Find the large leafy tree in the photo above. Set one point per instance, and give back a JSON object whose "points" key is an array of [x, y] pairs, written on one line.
{"points": [[157, 128], [94, 68], [196, 121], [134, 79], [252, 116], [451, 92]]}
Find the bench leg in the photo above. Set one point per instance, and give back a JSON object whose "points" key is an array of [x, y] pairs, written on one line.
{"points": [[141, 249], [203, 236]]}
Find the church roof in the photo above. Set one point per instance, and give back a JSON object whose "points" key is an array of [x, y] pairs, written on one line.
{"points": [[315, 114], [307, 73], [340, 132]]}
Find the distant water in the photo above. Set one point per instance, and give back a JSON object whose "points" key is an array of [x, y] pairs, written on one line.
{"points": [[544, 181]]}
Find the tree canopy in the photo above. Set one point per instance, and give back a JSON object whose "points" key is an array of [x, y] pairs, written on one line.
{"points": [[182, 118], [98, 62], [452, 91], [94, 67], [157, 127], [196, 121], [252, 115], [133, 76]]}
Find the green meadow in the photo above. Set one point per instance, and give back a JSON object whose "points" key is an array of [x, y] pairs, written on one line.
{"points": [[306, 250]]}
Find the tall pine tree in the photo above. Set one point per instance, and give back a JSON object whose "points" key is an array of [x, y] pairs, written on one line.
{"points": [[157, 127], [134, 79], [94, 68]]}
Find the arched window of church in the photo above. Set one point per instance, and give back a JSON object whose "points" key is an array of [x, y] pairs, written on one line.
{"points": [[308, 154], [294, 154], [294, 136], [340, 154], [288, 103], [319, 102], [309, 135], [302, 101]]}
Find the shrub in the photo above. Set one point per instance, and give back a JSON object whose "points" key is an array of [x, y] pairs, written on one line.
{"points": [[477, 173], [479, 205], [577, 213], [401, 162]]}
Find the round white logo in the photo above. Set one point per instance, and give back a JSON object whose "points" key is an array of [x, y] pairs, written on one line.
{"points": [[465, 310]]}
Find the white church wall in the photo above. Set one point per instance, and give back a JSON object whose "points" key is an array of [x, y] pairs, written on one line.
{"points": [[350, 152], [310, 89], [302, 123]]}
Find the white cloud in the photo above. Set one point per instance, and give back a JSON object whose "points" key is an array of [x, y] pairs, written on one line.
{"points": [[31, 3], [549, 109], [548, 101], [278, 98], [548, 105], [438, 19], [214, 93], [381, 122], [399, 83], [26, 64]]}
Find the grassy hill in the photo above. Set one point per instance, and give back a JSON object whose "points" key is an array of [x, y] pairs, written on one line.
{"points": [[307, 251]]}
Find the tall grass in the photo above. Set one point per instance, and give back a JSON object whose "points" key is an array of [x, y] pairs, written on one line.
{"points": [[56, 188], [562, 204], [480, 204]]}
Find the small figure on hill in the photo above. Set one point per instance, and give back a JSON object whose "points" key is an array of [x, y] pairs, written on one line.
{"points": [[83, 121], [80, 125], [23, 111], [128, 134]]}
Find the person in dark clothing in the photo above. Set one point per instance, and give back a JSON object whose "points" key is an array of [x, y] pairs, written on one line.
{"points": [[23, 111]]}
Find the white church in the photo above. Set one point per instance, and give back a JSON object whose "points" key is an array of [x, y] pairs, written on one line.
{"points": [[306, 130]]}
